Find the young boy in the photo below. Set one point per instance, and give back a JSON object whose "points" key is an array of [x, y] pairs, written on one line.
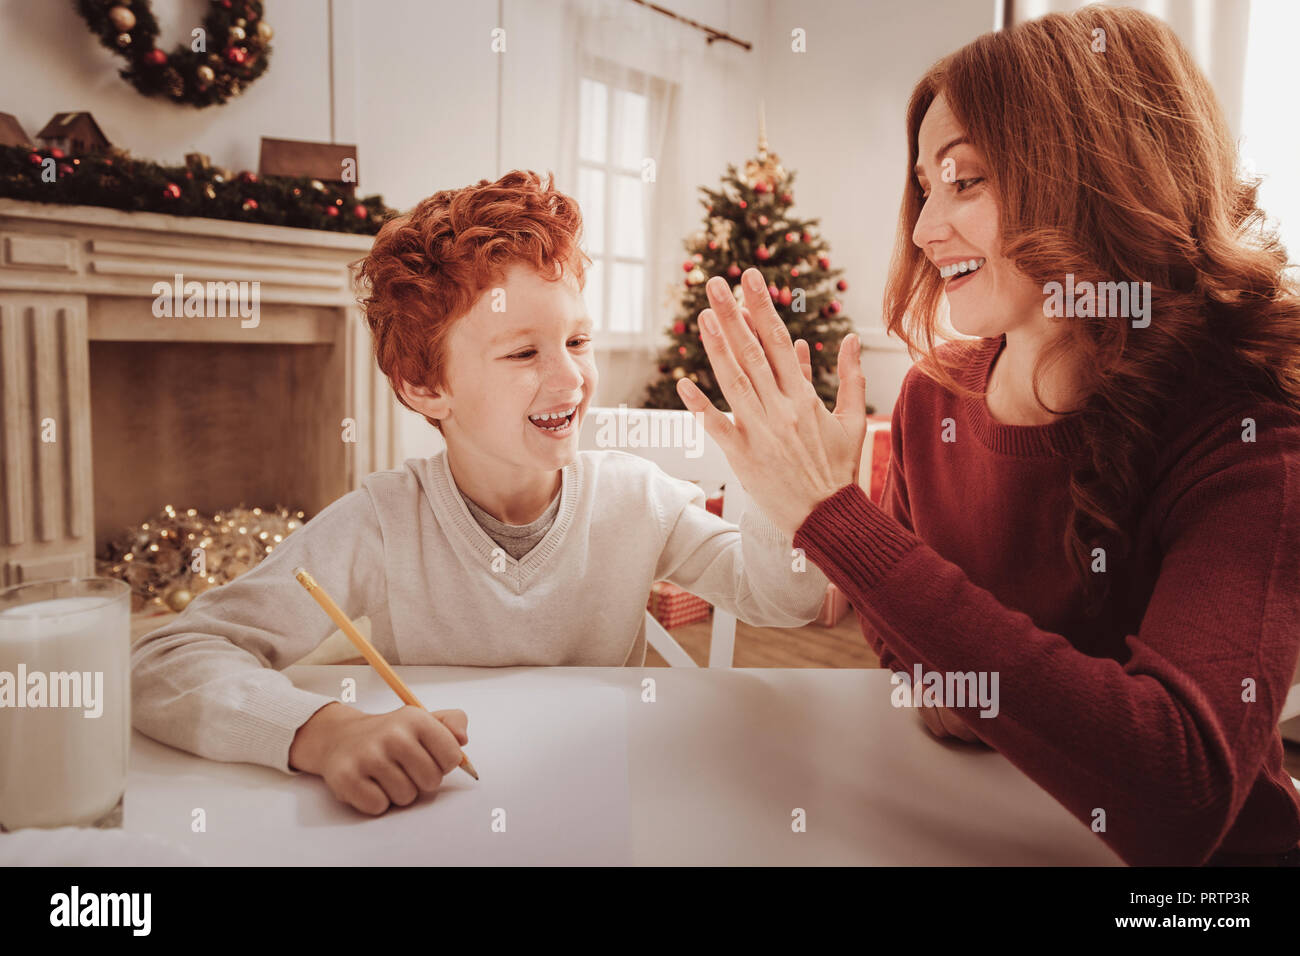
{"points": [[507, 548]]}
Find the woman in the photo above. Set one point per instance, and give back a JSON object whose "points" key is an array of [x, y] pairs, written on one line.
{"points": [[1097, 500]]}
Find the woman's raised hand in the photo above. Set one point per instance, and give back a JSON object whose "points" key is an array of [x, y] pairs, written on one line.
{"points": [[788, 451]]}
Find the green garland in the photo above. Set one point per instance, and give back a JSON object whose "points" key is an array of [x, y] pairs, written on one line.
{"points": [[235, 41], [117, 181]]}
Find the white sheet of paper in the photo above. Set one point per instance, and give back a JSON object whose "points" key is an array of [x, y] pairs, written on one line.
{"points": [[544, 770]]}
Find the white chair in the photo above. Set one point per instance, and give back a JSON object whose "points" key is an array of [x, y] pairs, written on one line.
{"points": [[677, 443]]}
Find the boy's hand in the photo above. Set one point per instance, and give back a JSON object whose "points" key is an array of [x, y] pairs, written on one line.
{"points": [[372, 761]]}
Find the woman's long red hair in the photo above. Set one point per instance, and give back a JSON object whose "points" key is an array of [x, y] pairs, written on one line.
{"points": [[1113, 166]]}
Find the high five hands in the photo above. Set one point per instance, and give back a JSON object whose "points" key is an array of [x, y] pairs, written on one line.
{"points": [[788, 451]]}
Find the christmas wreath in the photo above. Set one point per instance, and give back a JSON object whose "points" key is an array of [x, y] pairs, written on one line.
{"points": [[224, 55]]}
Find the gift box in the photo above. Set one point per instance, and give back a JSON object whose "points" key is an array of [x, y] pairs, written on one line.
{"points": [[834, 607], [876, 452], [672, 606]]}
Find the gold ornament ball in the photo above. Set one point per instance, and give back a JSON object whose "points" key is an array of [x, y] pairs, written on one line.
{"points": [[695, 276], [264, 31], [237, 33], [205, 74], [209, 191], [124, 40], [678, 372], [121, 18], [178, 599]]}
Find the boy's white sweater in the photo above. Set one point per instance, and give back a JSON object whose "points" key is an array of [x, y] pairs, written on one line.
{"points": [[404, 551]]}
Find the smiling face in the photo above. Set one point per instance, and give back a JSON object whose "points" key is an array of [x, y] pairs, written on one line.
{"points": [[507, 368], [959, 233]]}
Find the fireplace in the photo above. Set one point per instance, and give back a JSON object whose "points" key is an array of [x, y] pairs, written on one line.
{"points": [[114, 405]]}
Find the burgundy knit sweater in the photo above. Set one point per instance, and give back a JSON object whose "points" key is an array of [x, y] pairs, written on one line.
{"points": [[1138, 711]]}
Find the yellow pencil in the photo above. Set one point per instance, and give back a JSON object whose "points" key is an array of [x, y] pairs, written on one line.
{"points": [[367, 649]]}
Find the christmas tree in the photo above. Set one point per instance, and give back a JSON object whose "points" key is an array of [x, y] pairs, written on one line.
{"points": [[749, 222]]}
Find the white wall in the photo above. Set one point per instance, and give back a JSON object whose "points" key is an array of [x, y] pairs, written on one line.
{"points": [[837, 115]]}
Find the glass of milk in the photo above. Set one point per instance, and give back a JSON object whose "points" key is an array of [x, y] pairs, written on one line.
{"points": [[65, 702]]}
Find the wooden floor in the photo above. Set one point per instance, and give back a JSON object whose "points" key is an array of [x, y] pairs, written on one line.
{"points": [[815, 646]]}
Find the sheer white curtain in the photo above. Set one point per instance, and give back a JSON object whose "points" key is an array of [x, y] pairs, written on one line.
{"points": [[621, 139]]}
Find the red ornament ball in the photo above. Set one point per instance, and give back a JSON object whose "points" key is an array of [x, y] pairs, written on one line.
{"points": [[34, 158], [773, 291], [761, 187], [787, 198], [786, 297], [792, 237], [679, 328], [817, 346], [733, 271], [688, 265], [236, 55], [762, 220], [250, 205], [713, 244], [331, 210], [56, 153], [247, 177], [65, 169], [743, 204], [681, 350], [807, 237], [794, 273], [360, 211], [171, 191], [842, 286], [763, 254], [824, 261], [155, 57], [834, 307]]}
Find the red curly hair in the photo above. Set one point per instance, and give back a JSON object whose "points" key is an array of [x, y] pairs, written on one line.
{"points": [[427, 268]]}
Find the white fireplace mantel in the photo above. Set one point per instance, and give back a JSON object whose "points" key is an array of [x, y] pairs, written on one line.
{"points": [[75, 275]]}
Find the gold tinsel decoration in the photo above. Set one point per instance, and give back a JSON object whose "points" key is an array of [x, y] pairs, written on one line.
{"points": [[767, 167], [157, 558]]}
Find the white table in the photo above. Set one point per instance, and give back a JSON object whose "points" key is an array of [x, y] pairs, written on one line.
{"points": [[714, 769]]}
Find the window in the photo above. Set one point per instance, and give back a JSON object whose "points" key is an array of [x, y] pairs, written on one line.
{"points": [[613, 134]]}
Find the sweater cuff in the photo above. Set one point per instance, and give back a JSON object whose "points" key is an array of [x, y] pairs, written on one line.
{"points": [[268, 722], [853, 540]]}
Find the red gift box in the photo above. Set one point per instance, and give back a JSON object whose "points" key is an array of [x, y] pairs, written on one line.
{"points": [[834, 607], [672, 606], [876, 452]]}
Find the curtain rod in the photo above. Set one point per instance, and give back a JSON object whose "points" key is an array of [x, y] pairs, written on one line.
{"points": [[712, 33]]}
